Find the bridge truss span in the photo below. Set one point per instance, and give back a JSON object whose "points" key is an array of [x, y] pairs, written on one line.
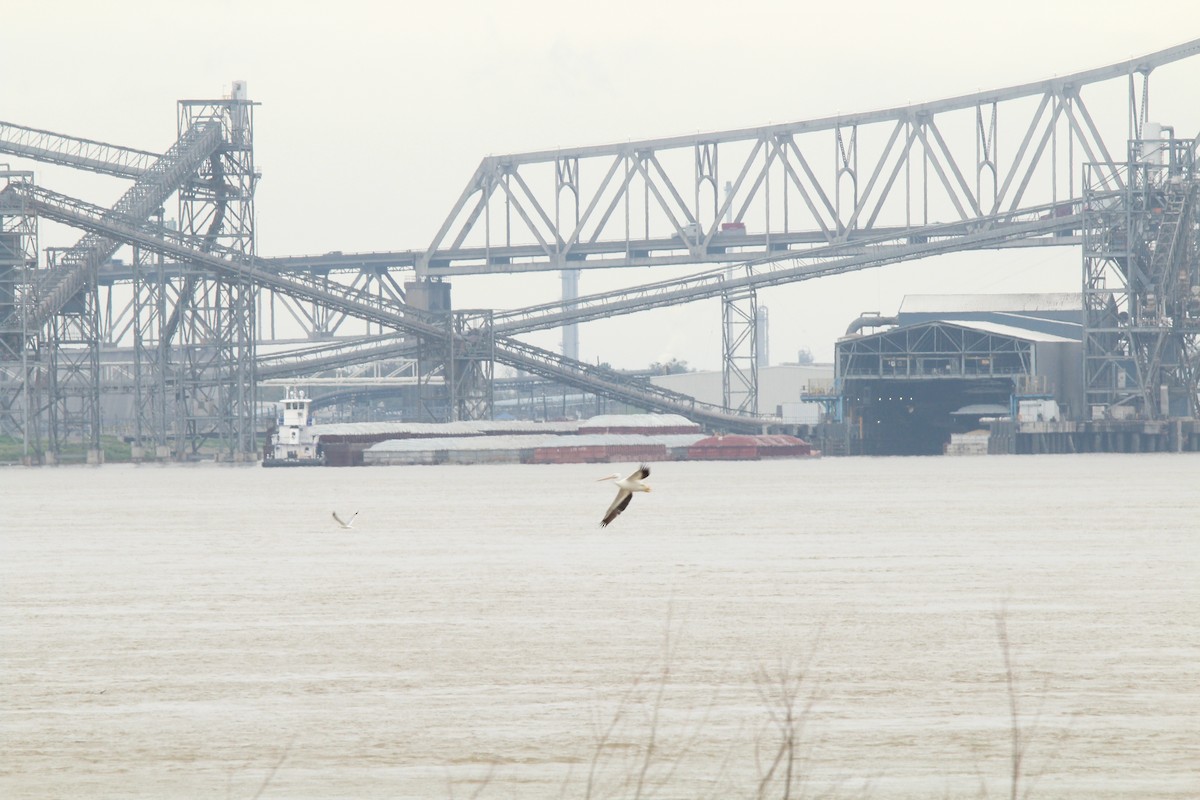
{"points": [[738, 195]]}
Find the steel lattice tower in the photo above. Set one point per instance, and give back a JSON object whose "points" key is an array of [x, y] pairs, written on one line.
{"points": [[211, 331], [1141, 258], [20, 373], [739, 333], [61, 320], [71, 349], [152, 291], [471, 364]]}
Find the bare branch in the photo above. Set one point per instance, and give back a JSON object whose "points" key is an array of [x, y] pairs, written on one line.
{"points": [[274, 768], [1018, 746]]}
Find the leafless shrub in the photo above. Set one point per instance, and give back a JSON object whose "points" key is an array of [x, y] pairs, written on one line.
{"points": [[636, 755], [788, 713], [642, 761]]}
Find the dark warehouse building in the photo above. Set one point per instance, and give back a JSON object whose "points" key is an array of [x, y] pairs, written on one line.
{"points": [[951, 363]]}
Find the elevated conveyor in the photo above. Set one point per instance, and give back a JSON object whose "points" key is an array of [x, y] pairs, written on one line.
{"points": [[72, 151], [117, 227], [1029, 226], [610, 384], [152, 188]]}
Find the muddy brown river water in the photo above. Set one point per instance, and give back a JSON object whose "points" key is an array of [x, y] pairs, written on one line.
{"points": [[208, 631]]}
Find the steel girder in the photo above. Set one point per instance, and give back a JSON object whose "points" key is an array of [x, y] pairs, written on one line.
{"points": [[1061, 122], [275, 313], [74, 322], [1033, 226]]}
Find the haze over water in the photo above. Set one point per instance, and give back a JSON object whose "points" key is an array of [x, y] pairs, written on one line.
{"points": [[208, 631]]}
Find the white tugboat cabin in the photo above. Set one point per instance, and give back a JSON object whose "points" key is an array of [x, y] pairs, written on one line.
{"points": [[293, 443]]}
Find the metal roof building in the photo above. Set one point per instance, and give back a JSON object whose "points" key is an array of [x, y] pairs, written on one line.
{"points": [[1054, 312], [923, 376]]}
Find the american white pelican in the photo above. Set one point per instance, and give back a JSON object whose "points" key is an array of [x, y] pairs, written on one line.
{"points": [[625, 489], [346, 524]]}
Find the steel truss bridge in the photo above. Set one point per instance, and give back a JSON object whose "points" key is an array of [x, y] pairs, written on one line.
{"points": [[182, 327]]}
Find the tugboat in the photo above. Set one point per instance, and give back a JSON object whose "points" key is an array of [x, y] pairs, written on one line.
{"points": [[293, 444]]}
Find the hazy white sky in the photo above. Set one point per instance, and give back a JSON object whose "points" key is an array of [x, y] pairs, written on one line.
{"points": [[374, 114]]}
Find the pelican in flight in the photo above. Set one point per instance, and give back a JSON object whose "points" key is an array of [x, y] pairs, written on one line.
{"points": [[346, 524], [625, 489]]}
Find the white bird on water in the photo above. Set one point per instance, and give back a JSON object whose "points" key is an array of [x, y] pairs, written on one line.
{"points": [[346, 524], [625, 489]]}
